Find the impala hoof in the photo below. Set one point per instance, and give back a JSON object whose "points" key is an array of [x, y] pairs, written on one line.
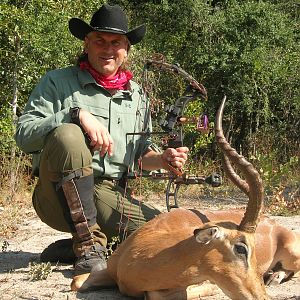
{"points": [[276, 278], [78, 281]]}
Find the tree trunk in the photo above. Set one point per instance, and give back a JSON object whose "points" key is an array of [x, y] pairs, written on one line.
{"points": [[14, 103]]}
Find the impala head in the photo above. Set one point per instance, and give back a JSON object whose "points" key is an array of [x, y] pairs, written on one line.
{"points": [[230, 260]]}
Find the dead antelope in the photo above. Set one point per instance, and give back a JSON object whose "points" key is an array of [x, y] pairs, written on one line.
{"points": [[176, 249]]}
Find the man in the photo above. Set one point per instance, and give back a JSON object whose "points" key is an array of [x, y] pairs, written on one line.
{"points": [[76, 123]]}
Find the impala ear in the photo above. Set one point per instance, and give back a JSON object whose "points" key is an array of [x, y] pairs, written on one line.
{"points": [[206, 235]]}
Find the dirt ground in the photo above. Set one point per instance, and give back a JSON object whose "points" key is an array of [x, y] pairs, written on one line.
{"points": [[33, 236]]}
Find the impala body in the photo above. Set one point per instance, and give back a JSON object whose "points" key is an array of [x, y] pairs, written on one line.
{"points": [[274, 246], [177, 249], [186, 252]]}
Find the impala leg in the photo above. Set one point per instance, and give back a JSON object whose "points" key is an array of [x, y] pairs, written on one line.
{"points": [[177, 294], [78, 281], [276, 278], [202, 290], [193, 292]]}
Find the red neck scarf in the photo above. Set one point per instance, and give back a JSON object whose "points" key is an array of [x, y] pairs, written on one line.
{"points": [[117, 82]]}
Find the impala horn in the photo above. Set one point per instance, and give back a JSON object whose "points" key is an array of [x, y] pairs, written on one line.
{"points": [[252, 185]]}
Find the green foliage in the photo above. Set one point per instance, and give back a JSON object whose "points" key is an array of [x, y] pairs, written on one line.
{"points": [[39, 271], [248, 50], [7, 130], [275, 174], [35, 39]]}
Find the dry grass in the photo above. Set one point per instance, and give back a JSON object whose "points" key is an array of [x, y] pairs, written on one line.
{"points": [[283, 201], [13, 211]]}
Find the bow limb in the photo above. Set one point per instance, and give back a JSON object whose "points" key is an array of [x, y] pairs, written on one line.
{"points": [[178, 70]]}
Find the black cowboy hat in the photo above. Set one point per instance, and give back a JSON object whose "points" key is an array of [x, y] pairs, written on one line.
{"points": [[107, 19]]}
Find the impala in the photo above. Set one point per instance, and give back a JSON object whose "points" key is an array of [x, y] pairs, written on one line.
{"points": [[183, 247]]}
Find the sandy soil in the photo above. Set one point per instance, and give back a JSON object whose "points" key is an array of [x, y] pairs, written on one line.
{"points": [[33, 236]]}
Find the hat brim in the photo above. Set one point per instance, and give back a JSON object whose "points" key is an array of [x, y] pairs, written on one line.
{"points": [[80, 29]]}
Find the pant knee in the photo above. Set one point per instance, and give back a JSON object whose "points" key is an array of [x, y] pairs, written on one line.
{"points": [[67, 137], [66, 149]]}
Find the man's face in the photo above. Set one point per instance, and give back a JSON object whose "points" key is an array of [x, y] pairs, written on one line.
{"points": [[106, 51]]}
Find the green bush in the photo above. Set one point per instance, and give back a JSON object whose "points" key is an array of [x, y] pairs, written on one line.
{"points": [[248, 50]]}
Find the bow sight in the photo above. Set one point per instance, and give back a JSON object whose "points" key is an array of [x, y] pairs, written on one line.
{"points": [[172, 126]]}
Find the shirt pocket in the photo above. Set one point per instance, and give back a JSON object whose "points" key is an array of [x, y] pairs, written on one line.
{"points": [[100, 113]]}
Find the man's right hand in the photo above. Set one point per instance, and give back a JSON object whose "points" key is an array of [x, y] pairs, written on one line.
{"points": [[100, 138]]}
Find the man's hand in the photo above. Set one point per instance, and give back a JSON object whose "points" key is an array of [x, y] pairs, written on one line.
{"points": [[176, 157], [98, 134]]}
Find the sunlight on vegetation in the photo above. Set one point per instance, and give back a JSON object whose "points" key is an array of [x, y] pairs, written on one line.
{"points": [[248, 50], [39, 271]]}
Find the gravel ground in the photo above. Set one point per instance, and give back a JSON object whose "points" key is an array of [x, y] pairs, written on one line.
{"points": [[33, 236]]}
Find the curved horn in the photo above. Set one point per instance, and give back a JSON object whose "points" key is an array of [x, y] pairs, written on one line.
{"points": [[252, 185], [233, 176]]}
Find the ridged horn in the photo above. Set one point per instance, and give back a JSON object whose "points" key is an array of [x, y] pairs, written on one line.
{"points": [[233, 176], [252, 185]]}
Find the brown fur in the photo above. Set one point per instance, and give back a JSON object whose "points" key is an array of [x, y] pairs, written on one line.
{"points": [[164, 255], [277, 248]]}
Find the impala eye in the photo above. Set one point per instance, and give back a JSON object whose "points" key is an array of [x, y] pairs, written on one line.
{"points": [[241, 249]]}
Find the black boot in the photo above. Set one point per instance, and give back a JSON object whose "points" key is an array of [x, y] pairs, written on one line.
{"points": [[62, 251], [59, 251], [95, 255]]}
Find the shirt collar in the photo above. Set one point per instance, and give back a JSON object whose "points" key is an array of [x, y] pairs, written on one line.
{"points": [[86, 78]]}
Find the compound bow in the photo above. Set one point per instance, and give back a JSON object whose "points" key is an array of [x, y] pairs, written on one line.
{"points": [[172, 126]]}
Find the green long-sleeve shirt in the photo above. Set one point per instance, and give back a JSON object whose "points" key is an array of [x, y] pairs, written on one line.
{"points": [[122, 113]]}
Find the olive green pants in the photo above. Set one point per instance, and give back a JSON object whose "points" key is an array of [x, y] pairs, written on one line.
{"points": [[65, 151]]}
